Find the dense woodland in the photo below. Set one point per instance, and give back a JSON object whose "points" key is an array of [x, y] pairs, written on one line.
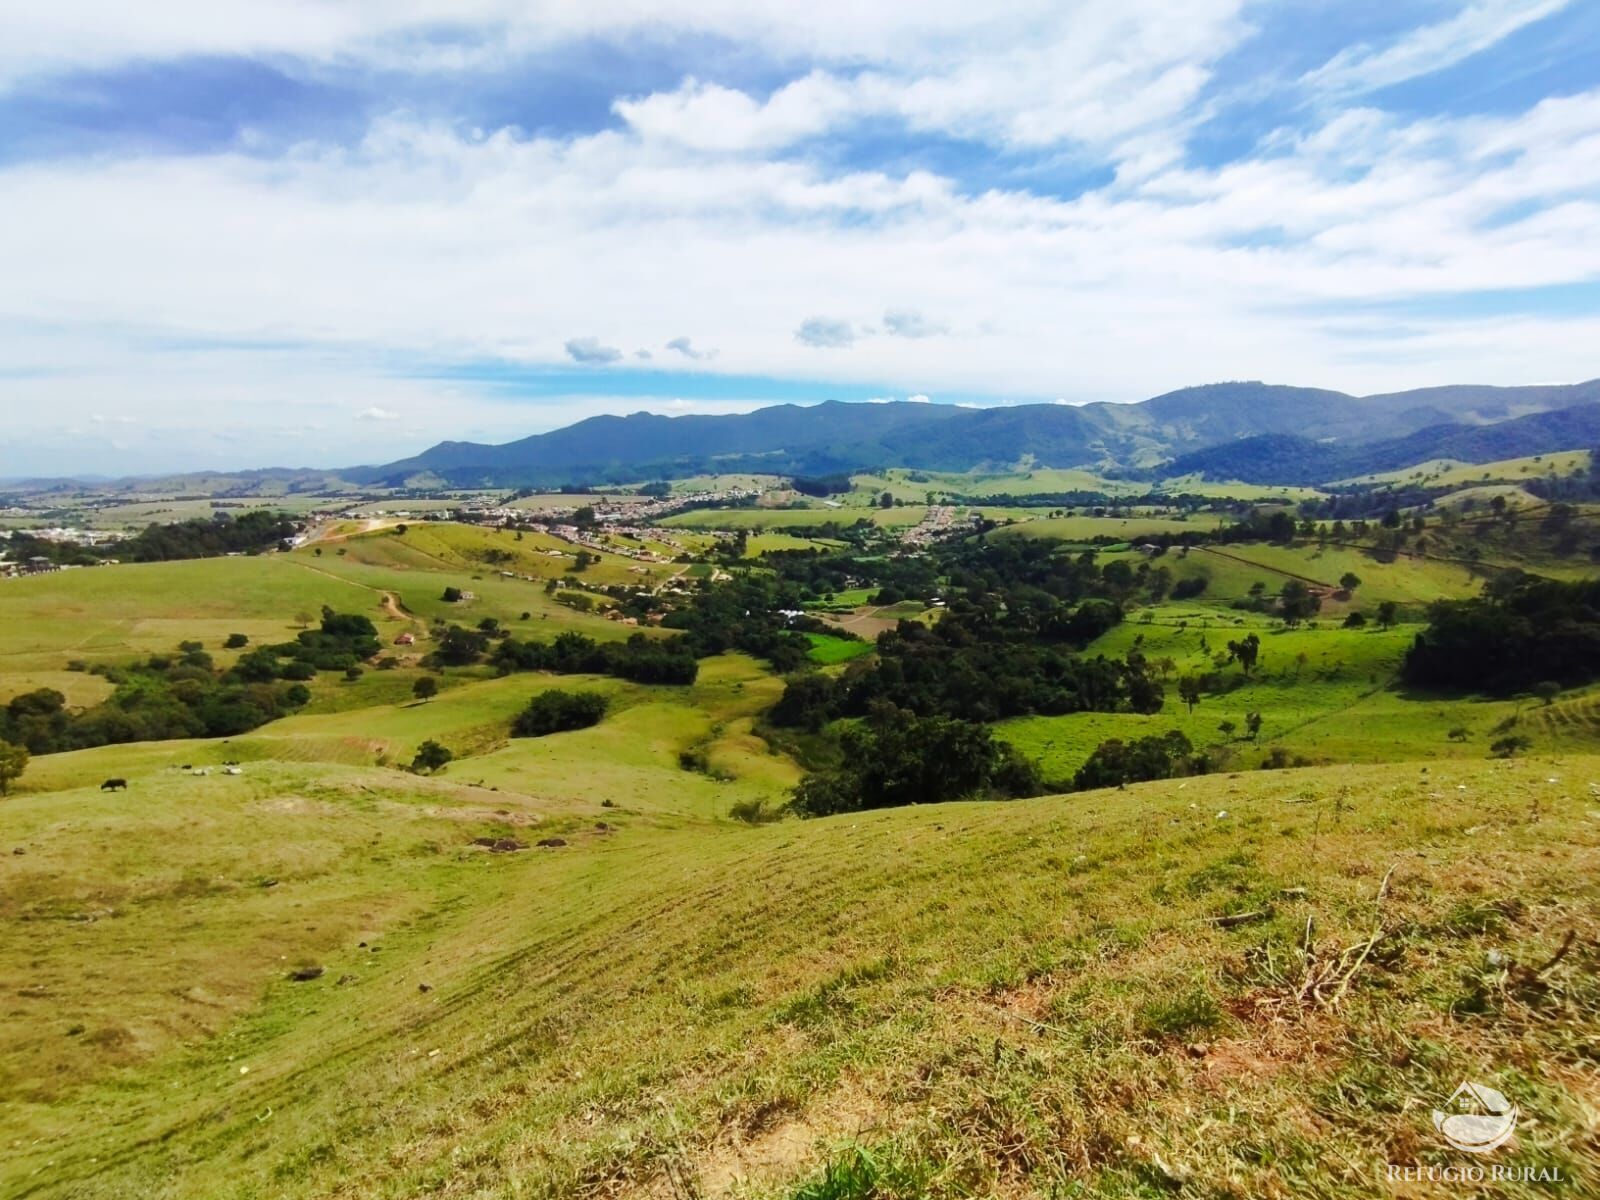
{"points": [[1519, 634]]}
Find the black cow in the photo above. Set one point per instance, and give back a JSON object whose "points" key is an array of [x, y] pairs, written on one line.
{"points": [[112, 785]]}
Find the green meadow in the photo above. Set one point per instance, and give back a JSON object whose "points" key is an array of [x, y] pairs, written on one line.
{"points": [[314, 979]]}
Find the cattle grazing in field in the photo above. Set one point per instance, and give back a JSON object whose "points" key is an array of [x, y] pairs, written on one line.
{"points": [[112, 785]]}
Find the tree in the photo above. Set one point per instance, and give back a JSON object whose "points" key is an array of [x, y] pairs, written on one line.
{"points": [[1246, 651], [425, 689], [452, 595], [1547, 691], [430, 757], [581, 562], [236, 641], [1252, 725], [1388, 614], [1508, 746], [1189, 691], [13, 762], [886, 500], [1349, 581], [1355, 620], [1297, 602], [1227, 729], [1159, 756]]}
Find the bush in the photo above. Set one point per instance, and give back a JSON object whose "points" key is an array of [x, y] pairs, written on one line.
{"points": [[431, 756], [236, 641], [1188, 589], [557, 712]]}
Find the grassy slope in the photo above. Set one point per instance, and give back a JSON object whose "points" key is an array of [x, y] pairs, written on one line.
{"points": [[111, 614], [1004, 999], [1444, 472], [1084, 528]]}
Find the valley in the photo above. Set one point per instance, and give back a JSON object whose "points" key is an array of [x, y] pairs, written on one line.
{"points": [[611, 961]]}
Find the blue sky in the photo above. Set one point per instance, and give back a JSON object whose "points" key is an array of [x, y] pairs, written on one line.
{"points": [[253, 232]]}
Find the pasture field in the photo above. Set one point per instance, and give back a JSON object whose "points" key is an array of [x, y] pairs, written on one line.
{"points": [[768, 543], [1215, 489], [759, 519], [958, 1000], [914, 486], [722, 483], [1123, 528], [1101, 994], [1326, 694], [112, 614], [827, 649], [1445, 472]]}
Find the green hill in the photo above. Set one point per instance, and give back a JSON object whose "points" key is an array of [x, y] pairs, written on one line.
{"points": [[987, 999]]}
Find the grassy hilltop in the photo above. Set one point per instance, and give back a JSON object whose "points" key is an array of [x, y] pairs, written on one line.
{"points": [[319, 978]]}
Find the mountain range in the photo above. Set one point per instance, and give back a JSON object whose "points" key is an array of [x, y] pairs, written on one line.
{"points": [[1254, 431]]}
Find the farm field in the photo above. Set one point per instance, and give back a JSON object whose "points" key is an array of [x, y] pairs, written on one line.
{"points": [[827, 649], [632, 1008], [1085, 528], [757, 519], [1326, 694]]}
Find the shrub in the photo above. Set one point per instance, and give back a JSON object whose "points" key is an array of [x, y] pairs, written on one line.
{"points": [[557, 712], [236, 641]]}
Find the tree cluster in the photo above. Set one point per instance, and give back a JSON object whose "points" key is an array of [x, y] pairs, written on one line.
{"points": [[1517, 635], [895, 757]]}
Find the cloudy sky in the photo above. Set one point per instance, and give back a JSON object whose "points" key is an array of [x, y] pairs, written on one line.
{"points": [[315, 232]]}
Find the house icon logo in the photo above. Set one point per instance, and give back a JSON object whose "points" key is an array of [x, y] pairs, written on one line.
{"points": [[1476, 1118]]}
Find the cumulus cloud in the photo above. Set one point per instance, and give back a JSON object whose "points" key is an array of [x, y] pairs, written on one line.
{"points": [[379, 261], [375, 413], [825, 333], [590, 350], [686, 347], [909, 323], [919, 398]]}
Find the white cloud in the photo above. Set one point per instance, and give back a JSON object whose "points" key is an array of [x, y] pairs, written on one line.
{"points": [[591, 351], [375, 413], [686, 347], [919, 398], [827, 333], [1430, 48], [424, 243], [909, 323]]}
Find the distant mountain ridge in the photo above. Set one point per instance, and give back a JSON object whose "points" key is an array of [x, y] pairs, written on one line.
{"points": [[1324, 430]]}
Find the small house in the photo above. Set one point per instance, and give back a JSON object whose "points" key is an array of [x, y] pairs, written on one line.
{"points": [[405, 639]]}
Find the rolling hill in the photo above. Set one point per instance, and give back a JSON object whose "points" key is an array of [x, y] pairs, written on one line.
{"points": [[1472, 423], [1288, 459]]}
